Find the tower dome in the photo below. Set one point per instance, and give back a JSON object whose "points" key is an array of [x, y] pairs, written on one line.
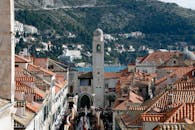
{"points": [[98, 32]]}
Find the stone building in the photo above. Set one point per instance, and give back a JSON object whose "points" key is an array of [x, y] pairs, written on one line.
{"points": [[156, 97], [93, 87], [7, 64], [151, 62], [41, 93], [90, 86], [96, 87]]}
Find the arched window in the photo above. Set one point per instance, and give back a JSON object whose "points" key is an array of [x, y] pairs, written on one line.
{"points": [[98, 48]]}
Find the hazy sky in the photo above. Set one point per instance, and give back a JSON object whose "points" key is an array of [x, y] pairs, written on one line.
{"points": [[183, 3]]}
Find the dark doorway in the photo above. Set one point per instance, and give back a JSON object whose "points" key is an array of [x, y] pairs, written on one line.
{"points": [[71, 104], [71, 89], [85, 101]]}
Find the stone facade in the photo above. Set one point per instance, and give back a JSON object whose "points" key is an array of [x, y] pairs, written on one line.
{"points": [[7, 64], [98, 68], [7, 49]]}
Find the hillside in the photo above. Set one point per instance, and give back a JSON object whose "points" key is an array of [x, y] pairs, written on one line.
{"points": [[32, 4], [162, 23]]}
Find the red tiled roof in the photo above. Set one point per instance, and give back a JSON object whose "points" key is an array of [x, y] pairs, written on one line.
{"points": [[144, 78], [158, 57], [178, 114], [181, 71], [39, 92], [186, 110], [153, 117], [27, 89], [21, 75], [34, 107], [170, 106], [57, 89], [19, 59], [38, 69], [59, 85], [135, 98], [25, 79], [19, 72], [178, 96], [184, 86], [140, 59], [42, 62], [60, 77], [124, 106], [126, 119], [23, 88], [118, 87], [112, 75], [178, 73]]}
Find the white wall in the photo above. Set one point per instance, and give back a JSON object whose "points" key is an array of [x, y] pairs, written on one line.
{"points": [[6, 122], [31, 125], [111, 82]]}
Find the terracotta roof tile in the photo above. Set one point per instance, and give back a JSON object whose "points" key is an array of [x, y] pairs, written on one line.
{"points": [[20, 59], [126, 118], [34, 107], [186, 110], [184, 86], [153, 117], [112, 75], [177, 96], [158, 57], [60, 77], [38, 69], [124, 106], [22, 87], [170, 106], [181, 71], [176, 75], [57, 89], [39, 92], [19, 72], [25, 79], [135, 98], [42, 62]]}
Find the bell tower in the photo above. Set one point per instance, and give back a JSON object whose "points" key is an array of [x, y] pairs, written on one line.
{"points": [[98, 68]]}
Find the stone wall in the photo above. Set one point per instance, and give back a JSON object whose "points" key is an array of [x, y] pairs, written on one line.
{"points": [[7, 49]]}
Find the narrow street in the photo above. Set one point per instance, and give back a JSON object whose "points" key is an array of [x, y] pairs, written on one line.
{"points": [[90, 119]]}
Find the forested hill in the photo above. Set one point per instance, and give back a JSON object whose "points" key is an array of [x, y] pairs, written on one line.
{"points": [[162, 23]]}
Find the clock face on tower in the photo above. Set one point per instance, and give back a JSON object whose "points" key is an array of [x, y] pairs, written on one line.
{"points": [[98, 48]]}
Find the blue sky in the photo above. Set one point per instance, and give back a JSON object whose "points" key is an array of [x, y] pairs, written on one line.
{"points": [[183, 3]]}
